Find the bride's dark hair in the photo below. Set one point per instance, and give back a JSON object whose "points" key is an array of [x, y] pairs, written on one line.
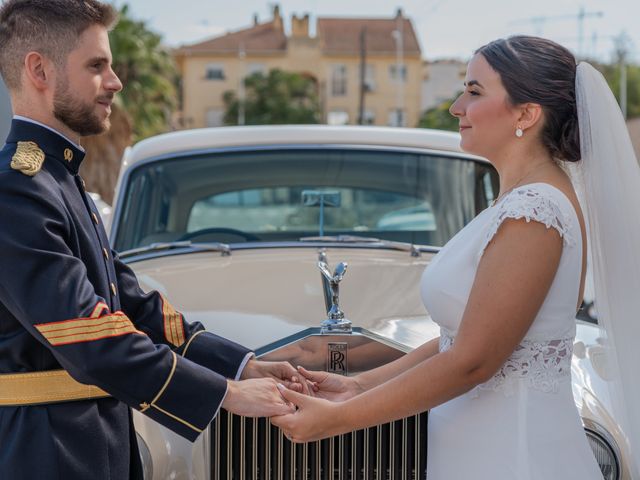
{"points": [[537, 70]]}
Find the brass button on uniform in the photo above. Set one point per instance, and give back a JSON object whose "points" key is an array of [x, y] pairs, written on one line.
{"points": [[68, 154], [113, 289], [95, 218], [106, 254]]}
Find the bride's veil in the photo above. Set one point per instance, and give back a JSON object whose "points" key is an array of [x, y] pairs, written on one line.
{"points": [[607, 180]]}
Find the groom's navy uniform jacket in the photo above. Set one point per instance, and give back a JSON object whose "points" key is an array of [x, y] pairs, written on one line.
{"points": [[80, 342]]}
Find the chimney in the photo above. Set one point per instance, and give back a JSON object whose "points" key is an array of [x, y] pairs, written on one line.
{"points": [[255, 19], [300, 26], [399, 13], [277, 19]]}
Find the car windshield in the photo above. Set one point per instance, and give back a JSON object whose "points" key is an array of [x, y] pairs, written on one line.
{"points": [[282, 195]]}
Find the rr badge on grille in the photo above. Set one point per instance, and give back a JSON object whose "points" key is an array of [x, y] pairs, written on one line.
{"points": [[337, 358]]}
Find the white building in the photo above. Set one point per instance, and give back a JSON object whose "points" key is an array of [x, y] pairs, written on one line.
{"points": [[441, 80]]}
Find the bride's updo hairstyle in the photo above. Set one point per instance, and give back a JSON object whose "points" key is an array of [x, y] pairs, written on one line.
{"points": [[537, 70]]}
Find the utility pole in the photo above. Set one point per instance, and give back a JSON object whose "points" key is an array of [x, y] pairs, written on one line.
{"points": [[622, 51], [398, 35], [363, 70], [241, 92]]}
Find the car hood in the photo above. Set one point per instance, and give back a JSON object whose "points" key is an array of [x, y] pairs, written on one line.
{"points": [[259, 296]]}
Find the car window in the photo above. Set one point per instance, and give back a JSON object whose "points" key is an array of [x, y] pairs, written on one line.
{"points": [[284, 194], [282, 209]]}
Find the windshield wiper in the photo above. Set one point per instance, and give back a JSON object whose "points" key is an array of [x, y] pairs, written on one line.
{"points": [[402, 246], [155, 247]]}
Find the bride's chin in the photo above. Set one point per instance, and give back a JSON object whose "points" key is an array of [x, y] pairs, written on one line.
{"points": [[467, 146]]}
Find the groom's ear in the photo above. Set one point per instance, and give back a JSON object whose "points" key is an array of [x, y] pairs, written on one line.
{"points": [[530, 115]]}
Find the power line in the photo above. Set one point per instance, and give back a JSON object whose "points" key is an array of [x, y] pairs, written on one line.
{"points": [[540, 21]]}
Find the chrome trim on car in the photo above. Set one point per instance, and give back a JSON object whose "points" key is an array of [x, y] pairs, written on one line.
{"points": [[138, 257], [402, 246], [223, 248], [603, 434], [357, 332], [393, 451]]}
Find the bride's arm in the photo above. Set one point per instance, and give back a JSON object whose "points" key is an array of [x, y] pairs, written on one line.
{"points": [[377, 376], [511, 283]]}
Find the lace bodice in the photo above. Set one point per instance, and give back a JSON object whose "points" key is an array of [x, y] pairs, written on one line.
{"points": [[542, 364], [543, 358]]}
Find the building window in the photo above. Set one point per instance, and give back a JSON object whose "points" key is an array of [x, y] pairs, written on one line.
{"points": [[338, 80], [370, 78], [393, 72], [397, 118], [256, 68], [338, 117], [215, 117], [214, 71]]}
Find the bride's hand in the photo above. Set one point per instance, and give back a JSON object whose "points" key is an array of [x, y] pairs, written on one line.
{"points": [[314, 419], [330, 386]]}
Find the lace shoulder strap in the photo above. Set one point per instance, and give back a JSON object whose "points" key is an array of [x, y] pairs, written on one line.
{"points": [[533, 204]]}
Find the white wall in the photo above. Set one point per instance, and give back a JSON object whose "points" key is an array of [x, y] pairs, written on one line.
{"points": [[5, 112], [443, 80]]}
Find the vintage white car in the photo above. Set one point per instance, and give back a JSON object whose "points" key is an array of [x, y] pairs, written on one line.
{"points": [[250, 230]]}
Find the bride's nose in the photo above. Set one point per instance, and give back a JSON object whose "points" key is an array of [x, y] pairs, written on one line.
{"points": [[456, 109]]}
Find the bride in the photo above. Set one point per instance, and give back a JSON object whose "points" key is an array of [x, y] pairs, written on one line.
{"points": [[506, 288]]}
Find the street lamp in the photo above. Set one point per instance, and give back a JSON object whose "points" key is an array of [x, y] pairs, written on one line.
{"points": [[241, 93], [398, 36]]}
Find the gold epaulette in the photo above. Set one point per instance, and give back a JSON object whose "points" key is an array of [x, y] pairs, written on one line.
{"points": [[28, 158], [52, 386]]}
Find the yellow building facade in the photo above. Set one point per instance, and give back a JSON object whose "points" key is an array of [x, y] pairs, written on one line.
{"points": [[332, 57]]}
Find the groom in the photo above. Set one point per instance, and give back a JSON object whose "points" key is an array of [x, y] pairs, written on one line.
{"points": [[80, 343]]}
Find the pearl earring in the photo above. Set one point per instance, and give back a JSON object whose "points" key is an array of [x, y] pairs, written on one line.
{"points": [[519, 132]]}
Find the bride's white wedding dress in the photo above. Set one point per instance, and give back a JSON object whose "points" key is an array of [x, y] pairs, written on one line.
{"points": [[523, 423]]}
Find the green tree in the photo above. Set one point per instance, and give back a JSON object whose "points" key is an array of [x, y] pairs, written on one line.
{"points": [[148, 74], [275, 99], [439, 117]]}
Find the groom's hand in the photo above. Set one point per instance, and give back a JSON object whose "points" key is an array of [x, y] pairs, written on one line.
{"points": [[282, 372], [258, 397]]}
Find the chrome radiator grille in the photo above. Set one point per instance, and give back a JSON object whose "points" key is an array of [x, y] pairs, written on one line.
{"points": [[253, 449]]}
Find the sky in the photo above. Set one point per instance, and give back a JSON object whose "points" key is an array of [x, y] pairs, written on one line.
{"points": [[445, 28]]}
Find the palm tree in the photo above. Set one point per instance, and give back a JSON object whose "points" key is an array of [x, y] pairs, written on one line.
{"points": [[148, 74], [143, 108]]}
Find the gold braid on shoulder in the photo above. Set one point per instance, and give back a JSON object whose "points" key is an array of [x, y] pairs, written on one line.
{"points": [[28, 158]]}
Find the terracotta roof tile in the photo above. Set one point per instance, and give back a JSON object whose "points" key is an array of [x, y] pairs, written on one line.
{"points": [[342, 35], [262, 37]]}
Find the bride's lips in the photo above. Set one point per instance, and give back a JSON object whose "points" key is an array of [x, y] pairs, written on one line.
{"points": [[464, 127]]}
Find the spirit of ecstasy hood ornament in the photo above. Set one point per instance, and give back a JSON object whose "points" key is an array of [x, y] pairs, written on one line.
{"points": [[335, 322]]}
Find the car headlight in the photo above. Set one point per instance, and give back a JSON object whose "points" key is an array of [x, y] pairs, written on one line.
{"points": [[605, 450], [145, 457]]}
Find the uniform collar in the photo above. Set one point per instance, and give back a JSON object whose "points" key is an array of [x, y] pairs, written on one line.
{"points": [[52, 143]]}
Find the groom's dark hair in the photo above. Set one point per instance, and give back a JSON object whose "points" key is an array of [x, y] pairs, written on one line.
{"points": [[537, 70], [49, 27]]}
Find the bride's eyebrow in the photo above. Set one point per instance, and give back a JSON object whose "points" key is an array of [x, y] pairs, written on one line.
{"points": [[471, 83]]}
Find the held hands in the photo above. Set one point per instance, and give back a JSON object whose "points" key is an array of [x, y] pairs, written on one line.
{"points": [[314, 419], [318, 417], [329, 386], [258, 397], [282, 372], [275, 389]]}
